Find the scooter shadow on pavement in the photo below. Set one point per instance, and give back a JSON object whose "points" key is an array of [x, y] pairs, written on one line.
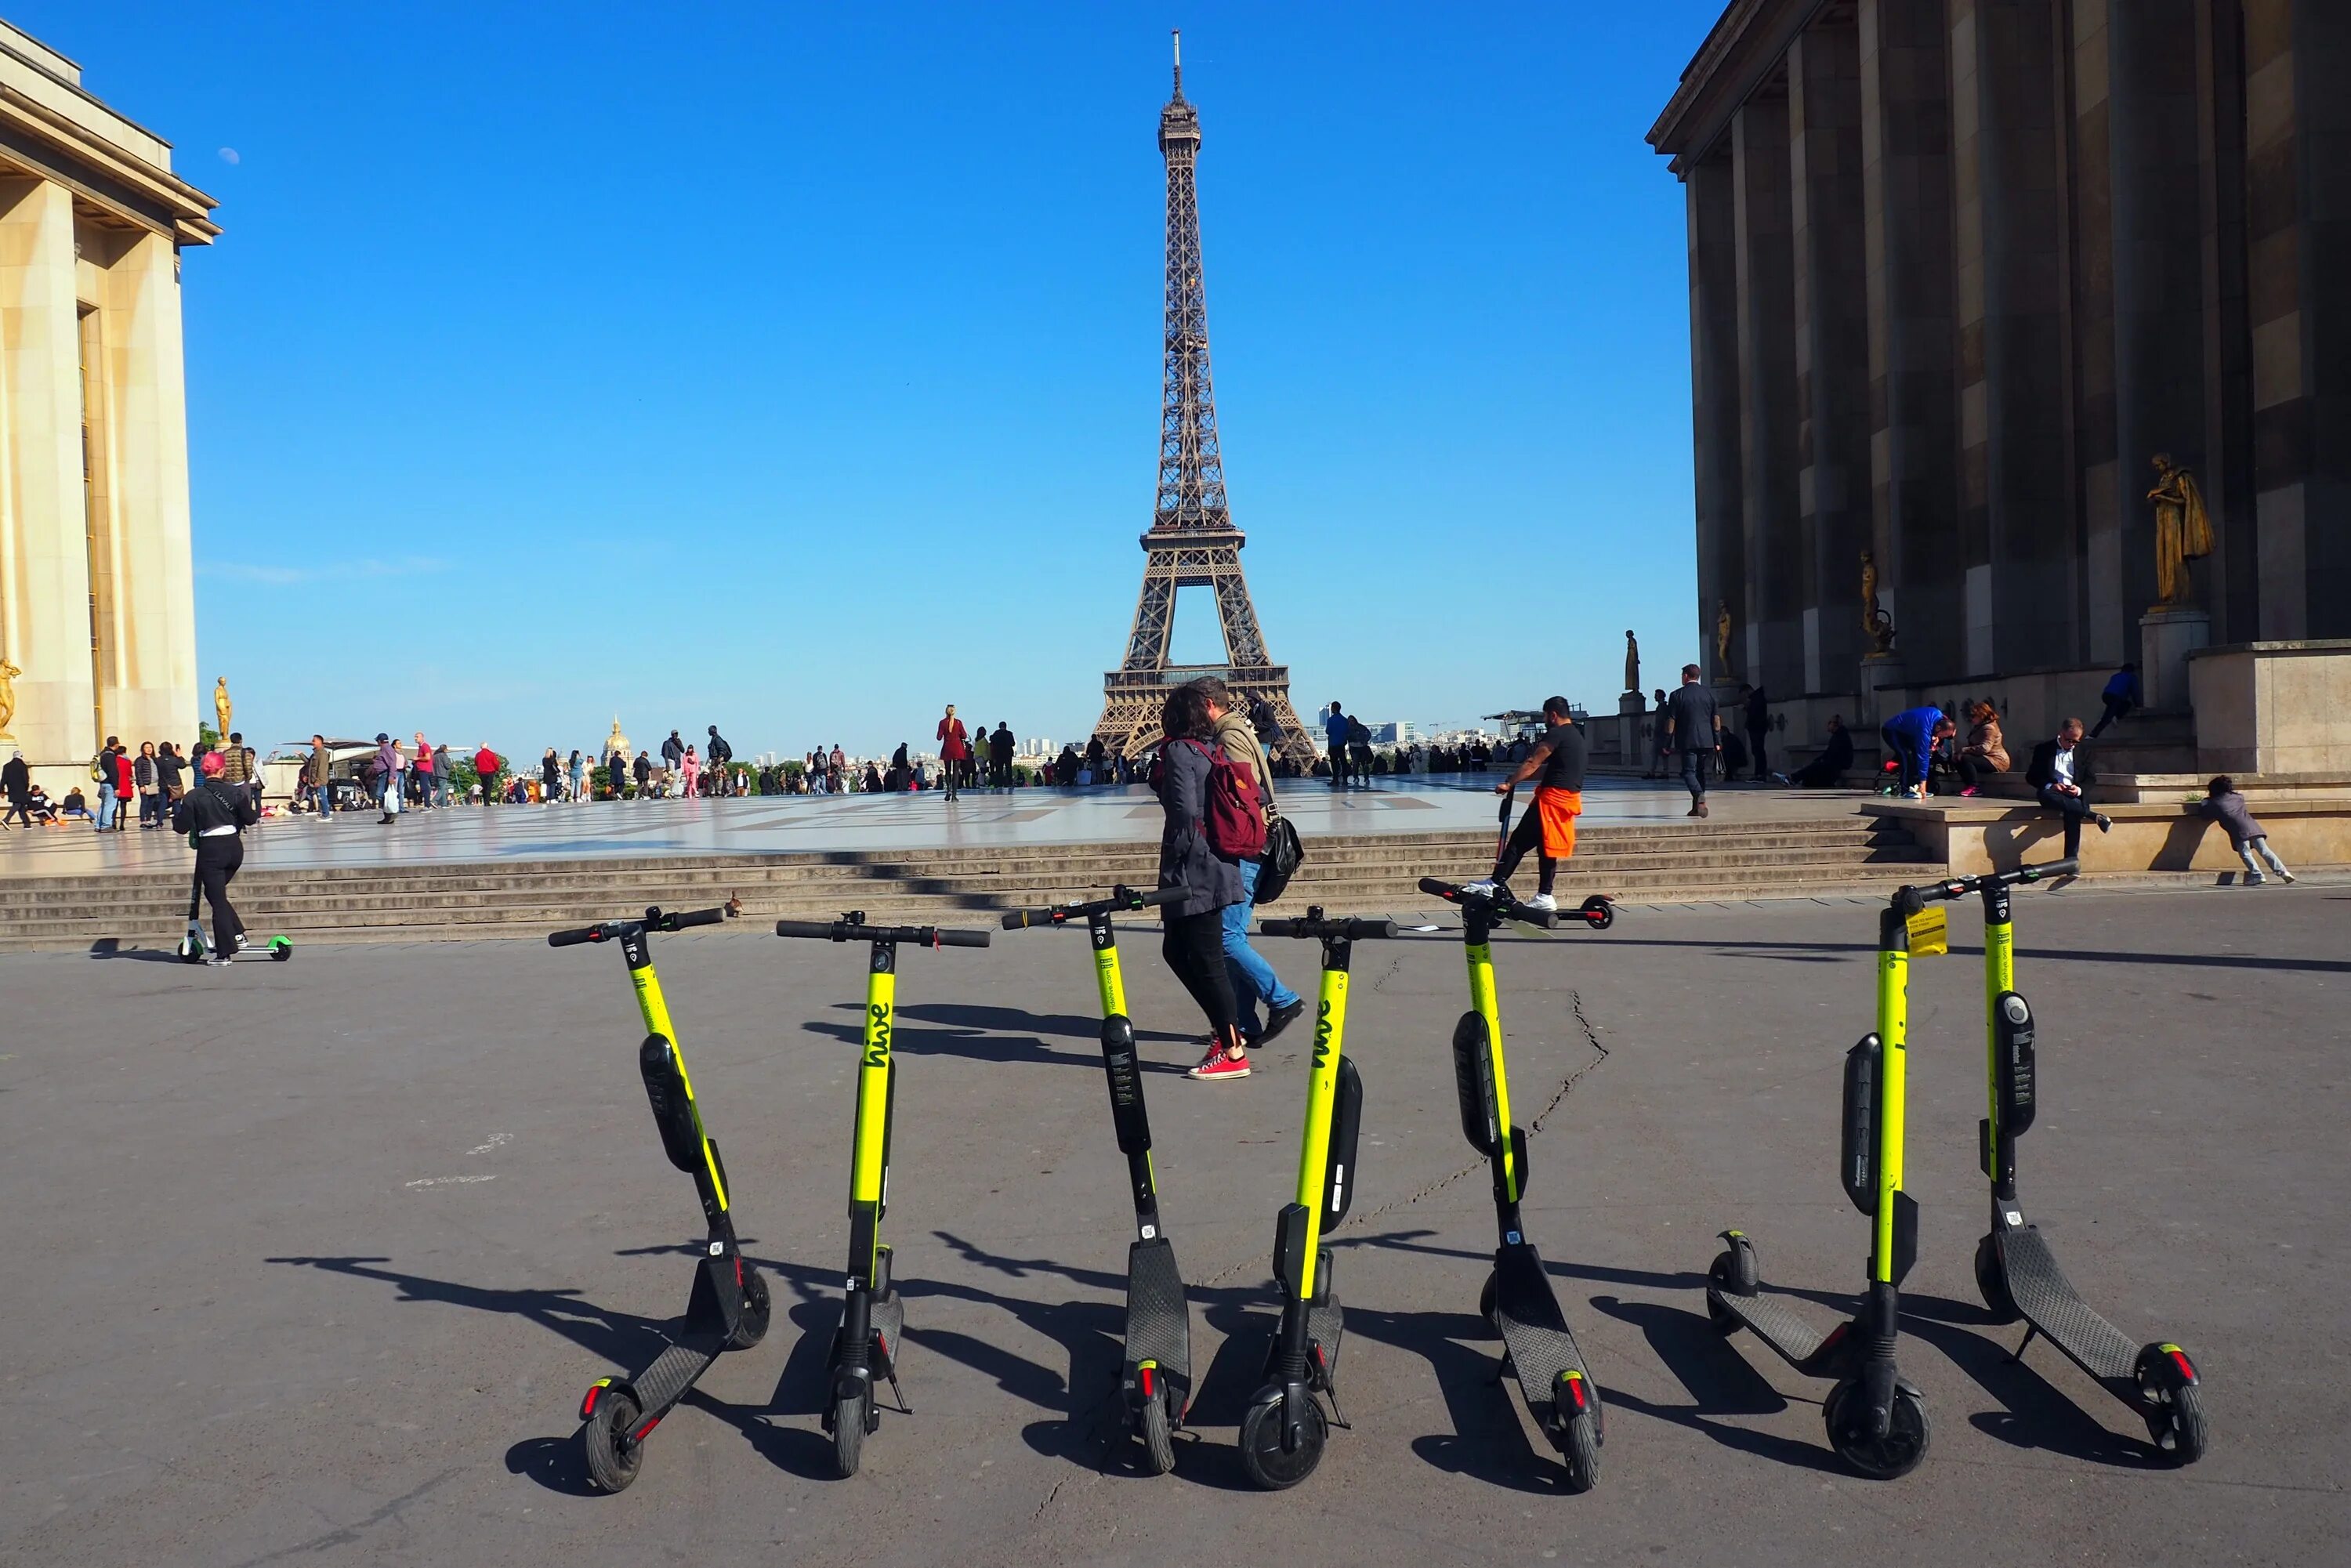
{"points": [[1001, 1036], [1719, 1380]]}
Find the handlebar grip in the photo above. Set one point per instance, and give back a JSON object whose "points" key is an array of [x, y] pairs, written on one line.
{"points": [[2070, 866], [1279, 925], [1162, 895], [817, 928], [1021, 919], [1430, 885], [962, 938], [1376, 929], [700, 917], [571, 938]]}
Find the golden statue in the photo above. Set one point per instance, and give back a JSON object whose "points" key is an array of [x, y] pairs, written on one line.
{"points": [[1874, 621], [221, 704], [1722, 636], [8, 673], [2183, 531], [1632, 663], [616, 741]]}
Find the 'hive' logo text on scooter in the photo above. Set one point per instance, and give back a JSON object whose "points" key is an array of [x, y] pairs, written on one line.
{"points": [[877, 1045]]}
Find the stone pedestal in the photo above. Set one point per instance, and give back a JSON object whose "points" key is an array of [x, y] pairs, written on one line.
{"points": [[1632, 712], [1880, 670], [2166, 635]]}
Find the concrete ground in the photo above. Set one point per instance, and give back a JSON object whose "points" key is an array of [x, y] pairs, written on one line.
{"points": [[312, 1262]]}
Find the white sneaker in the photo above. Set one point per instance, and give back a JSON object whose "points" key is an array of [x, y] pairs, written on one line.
{"points": [[2288, 877], [2254, 878], [1544, 903], [1484, 887]]}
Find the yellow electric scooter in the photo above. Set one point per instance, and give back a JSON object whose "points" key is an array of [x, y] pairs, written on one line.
{"points": [[728, 1308], [2015, 1271], [1283, 1433], [1155, 1377], [866, 1343]]}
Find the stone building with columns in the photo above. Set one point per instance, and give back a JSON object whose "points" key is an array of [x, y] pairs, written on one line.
{"points": [[1959, 270], [97, 597]]}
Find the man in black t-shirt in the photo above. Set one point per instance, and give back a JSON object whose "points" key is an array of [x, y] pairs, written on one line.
{"points": [[1694, 730], [1556, 762]]}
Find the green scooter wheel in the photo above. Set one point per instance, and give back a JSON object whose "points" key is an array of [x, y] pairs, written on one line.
{"points": [[1261, 1452], [607, 1438], [1158, 1436], [280, 949]]}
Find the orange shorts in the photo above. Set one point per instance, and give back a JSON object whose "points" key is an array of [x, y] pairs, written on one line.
{"points": [[1558, 809]]}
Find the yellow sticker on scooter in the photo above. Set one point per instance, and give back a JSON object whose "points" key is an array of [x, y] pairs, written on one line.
{"points": [[1929, 931]]}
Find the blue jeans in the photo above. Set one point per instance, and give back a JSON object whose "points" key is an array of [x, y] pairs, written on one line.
{"points": [[1254, 980], [105, 807]]}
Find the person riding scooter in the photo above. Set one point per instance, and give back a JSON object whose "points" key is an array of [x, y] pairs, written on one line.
{"points": [[214, 815]]}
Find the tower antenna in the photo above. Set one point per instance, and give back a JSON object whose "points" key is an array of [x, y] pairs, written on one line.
{"points": [[1177, 33]]}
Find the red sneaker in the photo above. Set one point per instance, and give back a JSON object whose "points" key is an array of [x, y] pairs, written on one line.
{"points": [[1217, 1065]]}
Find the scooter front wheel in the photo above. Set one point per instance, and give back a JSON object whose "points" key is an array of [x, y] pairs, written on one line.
{"points": [[1580, 1452], [1158, 1436], [1262, 1455], [608, 1438], [1895, 1454], [849, 1414], [1486, 1302]]}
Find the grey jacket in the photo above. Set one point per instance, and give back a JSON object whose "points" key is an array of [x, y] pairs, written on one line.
{"points": [[1185, 858], [2231, 812]]}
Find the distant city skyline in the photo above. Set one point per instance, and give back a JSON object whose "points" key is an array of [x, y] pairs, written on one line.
{"points": [[847, 411]]}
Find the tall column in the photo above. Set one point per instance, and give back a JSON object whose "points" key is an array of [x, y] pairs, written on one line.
{"points": [[45, 604], [2015, 530], [2235, 584], [1714, 394], [2158, 275], [152, 668], [1906, 140], [2298, 187], [1832, 345], [1776, 554]]}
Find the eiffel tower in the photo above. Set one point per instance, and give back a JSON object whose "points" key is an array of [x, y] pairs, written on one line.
{"points": [[1192, 541]]}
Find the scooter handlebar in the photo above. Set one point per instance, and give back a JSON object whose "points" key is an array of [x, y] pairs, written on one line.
{"points": [[573, 938], [857, 931], [1960, 887], [1121, 899], [1316, 928]]}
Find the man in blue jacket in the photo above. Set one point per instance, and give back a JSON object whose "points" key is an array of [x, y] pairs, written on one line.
{"points": [[1910, 738], [1334, 733]]}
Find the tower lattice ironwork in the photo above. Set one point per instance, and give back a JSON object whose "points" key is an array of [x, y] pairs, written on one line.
{"points": [[1192, 541]]}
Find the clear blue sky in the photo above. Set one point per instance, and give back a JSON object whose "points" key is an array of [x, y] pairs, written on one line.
{"points": [[796, 369]]}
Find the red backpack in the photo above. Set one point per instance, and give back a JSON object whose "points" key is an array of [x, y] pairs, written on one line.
{"points": [[1231, 813]]}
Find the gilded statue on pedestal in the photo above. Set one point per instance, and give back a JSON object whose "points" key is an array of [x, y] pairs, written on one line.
{"points": [[1722, 636], [1874, 621], [221, 704], [2183, 531], [1632, 661], [8, 673]]}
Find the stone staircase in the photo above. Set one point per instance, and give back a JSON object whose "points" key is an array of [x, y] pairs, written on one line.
{"points": [[1665, 862]]}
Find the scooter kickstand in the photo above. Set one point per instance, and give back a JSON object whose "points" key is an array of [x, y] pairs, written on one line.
{"points": [[900, 1396], [2016, 1355]]}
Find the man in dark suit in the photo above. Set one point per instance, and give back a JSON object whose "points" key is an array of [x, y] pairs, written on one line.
{"points": [[2060, 774]]}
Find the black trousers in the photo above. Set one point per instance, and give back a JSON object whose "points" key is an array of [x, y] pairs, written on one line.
{"points": [[1527, 835], [1195, 948], [217, 864], [1694, 767], [2116, 707], [18, 806], [1973, 771], [1899, 750], [1755, 739], [2074, 809], [1817, 775]]}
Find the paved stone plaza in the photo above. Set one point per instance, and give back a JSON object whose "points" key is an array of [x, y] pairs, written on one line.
{"points": [[808, 824], [311, 1262]]}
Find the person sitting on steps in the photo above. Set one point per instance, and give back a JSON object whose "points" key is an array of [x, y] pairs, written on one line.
{"points": [[1827, 770], [2060, 776]]}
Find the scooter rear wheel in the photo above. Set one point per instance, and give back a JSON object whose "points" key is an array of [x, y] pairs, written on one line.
{"points": [[848, 1434], [1991, 1282], [606, 1437], [1158, 1436], [1598, 912], [1880, 1459], [1262, 1453]]}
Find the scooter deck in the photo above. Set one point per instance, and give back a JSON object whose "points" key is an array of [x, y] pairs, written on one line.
{"points": [[2051, 1304], [1533, 1329], [673, 1371], [1772, 1322], [1159, 1316]]}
